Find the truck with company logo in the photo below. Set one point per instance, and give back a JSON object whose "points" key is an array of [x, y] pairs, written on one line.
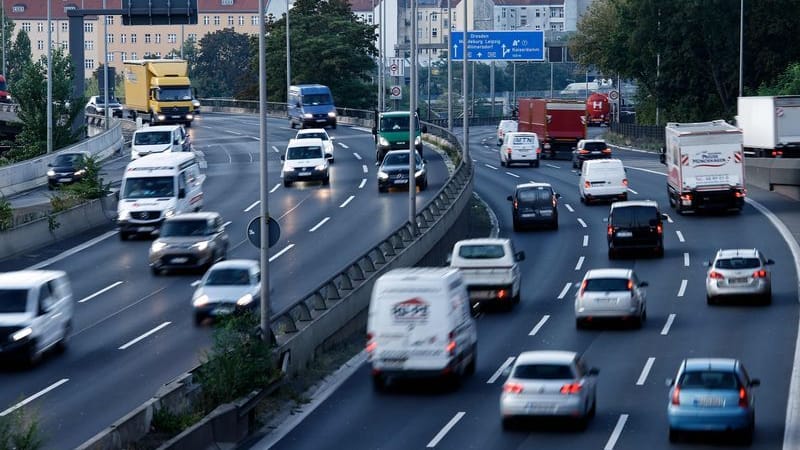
{"points": [[558, 123], [770, 125], [705, 166], [392, 131], [598, 109], [158, 90]]}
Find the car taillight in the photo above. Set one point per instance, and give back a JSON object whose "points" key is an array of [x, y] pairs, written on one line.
{"points": [[587, 184], [744, 402], [716, 275], [676, 395], [659, 228], [512, 388], [687, 197], [624, 181], [583, 152], [572, 388], [451, 344], [555, 202], [538, 150], [610, 230], [777, 153], [760, 274], [502, 293], [630, 285], [583, 287], [516, 204], [607, 151], [741, 193], [371, 345]]}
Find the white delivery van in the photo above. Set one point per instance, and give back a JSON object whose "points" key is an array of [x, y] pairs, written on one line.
{"points": [[419, 325], [520, 147], [36, 308], [155, 188], [603, 179], [159, 139]]}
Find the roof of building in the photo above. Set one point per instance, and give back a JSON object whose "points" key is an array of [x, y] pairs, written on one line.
{"points": [[529, 2], [37, 9]]}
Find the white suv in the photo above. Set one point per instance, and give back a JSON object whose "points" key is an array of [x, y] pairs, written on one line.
{"points": [[611, 293]]}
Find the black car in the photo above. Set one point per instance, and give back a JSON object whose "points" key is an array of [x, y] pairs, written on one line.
{"points": [[393, 172], [68, 167], [534, 204], [589, 149], [635, 225]]}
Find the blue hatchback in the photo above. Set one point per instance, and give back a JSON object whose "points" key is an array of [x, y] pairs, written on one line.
{"points": [[712, 394]]}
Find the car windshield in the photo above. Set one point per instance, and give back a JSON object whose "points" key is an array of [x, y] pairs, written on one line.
{"points": [[487, 251], [635, 215], [193, 227], [508, 125], [13, 300], [317, 99], [68, 160], [594, 146], [322, 136], [398, 123], [537, 195], [304, 152], [709, 379], [111, 100], [228, 277], [738, 263], [149, 187], [399, 159], [152, 138], [607, 284], [176, 93], [543, 372]]}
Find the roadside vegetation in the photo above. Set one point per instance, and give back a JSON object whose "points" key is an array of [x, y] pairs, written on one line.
{"points": [[20, 430]]}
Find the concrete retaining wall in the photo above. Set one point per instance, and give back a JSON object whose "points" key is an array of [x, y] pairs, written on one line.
{"points": [[774, 174]]}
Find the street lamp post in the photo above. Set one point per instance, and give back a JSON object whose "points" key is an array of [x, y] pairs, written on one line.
{"points": [[49, 79], [105, 68], [412, 122], [264, 208], [741, 46], [288, 53], [449, 68], [464, 84]]}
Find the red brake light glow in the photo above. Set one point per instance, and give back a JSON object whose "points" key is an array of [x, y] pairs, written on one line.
{"points": [[624, 181], [676, 395], [572, 388], [716, 275], [583, 152], [607, 150], [760, 274], [659, 228], [587, 184], [610, 230], [512, 388], [743, 400], [630, 285]]}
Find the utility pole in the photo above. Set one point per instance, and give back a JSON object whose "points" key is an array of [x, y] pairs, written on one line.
{"points": [[741, 47], [412, 123], [288, 54], [183, 40], [464, 84], [449, 68], [3, 14], [49, 79], [105, 68], [266, 333]]}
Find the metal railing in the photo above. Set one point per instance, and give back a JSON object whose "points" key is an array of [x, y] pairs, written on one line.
{"points": [[633, 130]]}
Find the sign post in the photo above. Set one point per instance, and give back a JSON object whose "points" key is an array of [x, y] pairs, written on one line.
{"points": [[396, 93]]}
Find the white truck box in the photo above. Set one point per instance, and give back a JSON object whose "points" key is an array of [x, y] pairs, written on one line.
{"points": [[770, 125], [490, 269]]}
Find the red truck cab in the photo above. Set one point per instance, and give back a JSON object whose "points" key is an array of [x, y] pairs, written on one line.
{"points": [[559, 124]]}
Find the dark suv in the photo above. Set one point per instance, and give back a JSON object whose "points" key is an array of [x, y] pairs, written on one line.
{"points": [[589, 149], [534, 204], [635, 225]]}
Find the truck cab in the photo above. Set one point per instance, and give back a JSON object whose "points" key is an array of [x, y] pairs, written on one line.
{"points": [[392, 132]]}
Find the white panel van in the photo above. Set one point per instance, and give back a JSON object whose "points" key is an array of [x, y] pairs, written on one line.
{"points": [[159, 139], [603, 179], [419, 325]]}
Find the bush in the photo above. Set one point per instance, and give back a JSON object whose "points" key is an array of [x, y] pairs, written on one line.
{"points": [[20, 431], [165, 421], [6, 215], [91, 185]]}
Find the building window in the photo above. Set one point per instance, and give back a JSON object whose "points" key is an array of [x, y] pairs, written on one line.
{"points": [[64, 27], [369, 18], [538, 27], [110, 38], [133, 55], [230, 20], [123, 38], [158, 55], [241, 21], [52, 27], [88, 45], [523, 22], [133, 39], [123, 55], [205, 20], [172, 38], [254, 20], [109, 20], [434, 33], [193, 37], [40, 45], [226, 2], [64, 45], [158, 38], [147, 40], [88, 27], [216, 20], [110, 57], [88, 64], [39, 27], [26, 27], [20, 9]]}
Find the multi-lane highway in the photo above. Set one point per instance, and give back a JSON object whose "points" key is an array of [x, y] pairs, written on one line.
{"points": [[632, 396], [133, 332]]}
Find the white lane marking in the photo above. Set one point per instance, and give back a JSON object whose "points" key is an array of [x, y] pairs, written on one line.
{"points": [[321, 223], [358, 157], [489, 166], [342, 144], [685, 259], [669, 219], [564, 291], [580, 263], [234, 132], [363, 183], [252, 205], [585, 240], [553, 166], [275, 188], [668, 325], [682, 289], [645, 371], [284, 250], [34, 397], [632, 191], [612, 441], [680, 235], [276, 149], [539, 325], [647, 170], [227, 223], [569, 208], [349, 199], [100, 292], [439, 436], [73, 250], [512, 174], [366, 170], [580, 221], [144, 336], [500, 370]]}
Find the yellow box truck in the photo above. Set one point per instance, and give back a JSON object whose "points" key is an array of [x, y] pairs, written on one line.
{"points": [[159, 90]]}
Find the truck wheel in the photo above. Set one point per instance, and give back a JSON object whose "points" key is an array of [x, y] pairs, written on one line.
{"points": [[470, 370], [536, 163], [379, 383]]}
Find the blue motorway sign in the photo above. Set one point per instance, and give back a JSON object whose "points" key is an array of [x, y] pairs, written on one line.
{"points": [[500, 45]]}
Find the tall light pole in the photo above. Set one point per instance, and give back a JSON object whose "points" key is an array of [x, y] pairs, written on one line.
{"points": [[430, 41], [264, 209], [412, 122], [183, 40], [464, 85], [49, 79], [105, 68], [741, 46], [3, 13], [288, 53]]}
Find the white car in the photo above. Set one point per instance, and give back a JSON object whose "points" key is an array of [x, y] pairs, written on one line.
{"points": [[96, 105], [305, 161], [228, 286], [520, 147], [739, 272], [318, 133], [549, 383], [611, 293], [503, 127]]}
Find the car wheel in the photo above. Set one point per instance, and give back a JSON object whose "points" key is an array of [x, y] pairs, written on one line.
{"points": [[766, 299], [503, 163], [674, 435], [199, 318], [287, 183], [660, 251], [155, 271], [331, 161], [34, 356], [517, 226], [508, 423], [123, 235], [612, 254], [710, 300], [326, 181], [536, 163], [579, 323], [379, 383], [63, 343], [555, 224], [470, 370], [593, 409]]}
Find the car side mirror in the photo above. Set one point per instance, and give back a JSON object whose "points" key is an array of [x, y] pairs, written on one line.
{"points": [[594, 371], [755, 382], [669, 382], [283, 157], [558, 195], [510, 198], [644, 284], [195, 283], [770, 262], [182, 193], [520, 256]]}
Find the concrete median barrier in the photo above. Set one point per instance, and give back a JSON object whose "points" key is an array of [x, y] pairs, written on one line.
{"points": [[780, 175]]}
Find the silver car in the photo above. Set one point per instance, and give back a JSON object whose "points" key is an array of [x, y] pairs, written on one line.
{"points": [[549, 383], [227, 287], [611, 293], [189, 241], [739, 272]]}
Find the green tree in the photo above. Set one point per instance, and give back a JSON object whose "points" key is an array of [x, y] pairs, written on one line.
{"points": [[788, 83], [18, 56], [217, 67], [7, 42]]}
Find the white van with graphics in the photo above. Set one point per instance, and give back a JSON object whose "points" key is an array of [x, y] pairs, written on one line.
{"points": [[419, 325], [155, 188]]}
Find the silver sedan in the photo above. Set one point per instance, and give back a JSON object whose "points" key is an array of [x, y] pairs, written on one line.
{"points": [[227, 287], [739, 272]]}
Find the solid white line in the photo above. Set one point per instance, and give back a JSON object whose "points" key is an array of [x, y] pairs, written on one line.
{"points": [[680, 235], [499, 371], [363, 183], [227, 223], [646, 170], [34, 397], [553, 166], [580, 263], [668, 325], [285, 249], [632, 191], [358, 157], [685, 259], [585, 240], [645, 371], [276, 149], [275, 188], [253, 205], [612, 441], [234, 132], [321, 223], [101, 291], [539, 325], [564, 291], [366, 170], [446, 429], [682, 289], [491, 167], [154, 330], [512, 174], [73, 250], [349, 199], [580, 221], [342, 144]]}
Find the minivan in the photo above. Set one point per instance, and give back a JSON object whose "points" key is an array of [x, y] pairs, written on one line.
{"points": [[534, 204], [160, 139], [603, 179], [635, 225], [419, 324], [520, 147], [305, 160], [36, 308], [311, 105]]}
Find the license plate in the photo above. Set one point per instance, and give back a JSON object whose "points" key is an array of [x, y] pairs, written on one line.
{"points": [[546, 212], [739, 280], [176, 117], [481, 294], [710, 402], [180, 260], [64, 180], [528, 214], [624, 234], [304, 174], [403, 181], [540, 407], [145, 229], [321, 120], [595, 153], [222, 310], [402, 143]]}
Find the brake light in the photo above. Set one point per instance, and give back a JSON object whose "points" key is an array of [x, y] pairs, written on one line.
{"points": [[371, 345], [741, 193], [572, 388], [744, 402], [583, 152], [555, 202], [516, 204], [630, 285], [777, 152], [760, 274], [676, 395], [607, 151], [687, 197], [624, 181], [659, 228], [610, 231], [587, 184], [512, 388], [451, 345], [538, 150], [583, 287], [716, 275], [502, 293]]}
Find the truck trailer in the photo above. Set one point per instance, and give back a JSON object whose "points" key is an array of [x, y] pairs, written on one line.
{"points": [[559, 124], [705, 166], [158, 90], [770, 125]]}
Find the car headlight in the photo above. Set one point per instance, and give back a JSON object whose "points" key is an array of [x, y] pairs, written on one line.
{"points": [[383, 176], [419, 173], [332, 114], [200, 301], [80, 173], [169, 213], [202, 245], [124, 215], [288, 169], [245, 300], [161, 117], [321, 167], [51, 173], [189, 117], [158, 246], [418, 140], [382, 141], [21, 334], [308, 116]]}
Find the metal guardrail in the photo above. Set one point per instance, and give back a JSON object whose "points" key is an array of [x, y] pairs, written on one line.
{"points": [[633, 130]]}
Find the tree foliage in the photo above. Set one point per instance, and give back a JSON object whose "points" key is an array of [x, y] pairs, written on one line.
{"points": [[697, 43], [217, 65], [788, 83], [18, 56]]}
